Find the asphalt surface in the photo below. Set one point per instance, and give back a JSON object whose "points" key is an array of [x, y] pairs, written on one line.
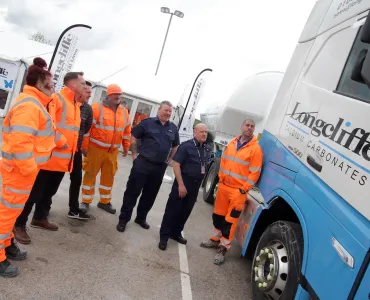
{"points": [[91, 260]]}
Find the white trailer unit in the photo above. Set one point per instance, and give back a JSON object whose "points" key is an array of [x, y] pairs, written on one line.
{"points": [[252, 99]]}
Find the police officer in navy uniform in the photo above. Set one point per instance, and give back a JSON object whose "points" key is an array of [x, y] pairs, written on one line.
{"points": [[159, 141], [189, 164]]}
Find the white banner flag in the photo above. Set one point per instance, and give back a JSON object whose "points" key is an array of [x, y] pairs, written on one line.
{"points": [[65, 53], [188, 118], [8, 75]]}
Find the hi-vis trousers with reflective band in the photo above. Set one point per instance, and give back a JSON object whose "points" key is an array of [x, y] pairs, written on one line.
{"points": [[228, 206], [106, 162], [14, 194]]}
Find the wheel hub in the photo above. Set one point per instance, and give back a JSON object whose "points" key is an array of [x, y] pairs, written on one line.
{"points": [[215, 191], [271, 270]]}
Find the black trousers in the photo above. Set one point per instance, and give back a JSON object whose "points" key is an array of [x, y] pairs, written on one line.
{"points": [[178, 209], [45, 187], [145, 178], [76, 180]]}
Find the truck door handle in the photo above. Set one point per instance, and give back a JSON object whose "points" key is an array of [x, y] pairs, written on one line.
{"points": [[311, 161]]}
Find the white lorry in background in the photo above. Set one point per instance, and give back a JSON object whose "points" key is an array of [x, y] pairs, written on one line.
{"points": [[251, 100], [12, 79], [139, 106], [12, 75]]}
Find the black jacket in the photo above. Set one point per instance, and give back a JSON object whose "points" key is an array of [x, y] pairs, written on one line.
{"points": [[86, 121]]}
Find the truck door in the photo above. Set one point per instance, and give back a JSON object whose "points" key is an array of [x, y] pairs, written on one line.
{"points": [[327, 128]]}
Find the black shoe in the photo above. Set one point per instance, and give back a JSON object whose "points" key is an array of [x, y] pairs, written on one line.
{"points": [[7, 269], [107, 207], [14, 252], [179, 239], [79, 216], [162, 245], [121, 227], [143, 224]]}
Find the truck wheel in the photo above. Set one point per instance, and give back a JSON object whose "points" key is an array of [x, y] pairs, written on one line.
{"points": [[209, 184], [277, 262]]}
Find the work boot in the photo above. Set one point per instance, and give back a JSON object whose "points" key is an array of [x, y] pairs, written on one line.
{"points": [[220, 256], [142, 223], [121, 227], [107, 207], [180, 239], [7, 269], [14, 252], [162, 245], [210, 244], [21, 235], [44, 224], [84, 207]]}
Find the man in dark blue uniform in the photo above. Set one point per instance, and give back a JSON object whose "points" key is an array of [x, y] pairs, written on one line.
{"points": [[159, 140], [189, 164]]}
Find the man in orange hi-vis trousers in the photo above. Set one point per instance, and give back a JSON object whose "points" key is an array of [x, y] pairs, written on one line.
{"points": [[28, 139], [240, 169], [110, 128]]}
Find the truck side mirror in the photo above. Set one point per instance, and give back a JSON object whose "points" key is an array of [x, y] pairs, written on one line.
{"points": [[365, 71], [361, 70], [357, 68], [365, 35]]}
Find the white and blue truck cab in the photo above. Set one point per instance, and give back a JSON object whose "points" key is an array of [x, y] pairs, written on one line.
{"points": [[306, 223]]}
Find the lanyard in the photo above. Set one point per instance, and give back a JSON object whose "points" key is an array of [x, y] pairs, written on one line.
{"points": [[204, 154]]}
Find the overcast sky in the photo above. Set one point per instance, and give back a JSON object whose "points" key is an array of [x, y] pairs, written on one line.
{"points": [[235, 38]]}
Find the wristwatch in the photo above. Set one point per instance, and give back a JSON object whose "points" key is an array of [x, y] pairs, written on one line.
{"points": [[242, 191]]}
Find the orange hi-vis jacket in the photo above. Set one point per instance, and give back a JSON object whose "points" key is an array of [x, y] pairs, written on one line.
{"points": [[109, 129], [28, 132], [66, 113], [241, 168]]}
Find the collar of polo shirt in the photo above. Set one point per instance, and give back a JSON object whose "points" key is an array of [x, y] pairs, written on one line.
{"points": [[158, 121], [198, 143]]}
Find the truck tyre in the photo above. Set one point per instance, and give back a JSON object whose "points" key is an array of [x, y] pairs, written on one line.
{"points": [[210, 183], [277, 262]]}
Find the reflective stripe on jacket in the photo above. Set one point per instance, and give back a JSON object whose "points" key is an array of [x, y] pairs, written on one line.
{"points": [[67, 115], [241, 168], [28, 132], [109, 129]]}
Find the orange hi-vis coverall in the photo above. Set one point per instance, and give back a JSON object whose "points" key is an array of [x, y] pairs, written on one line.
{"points": [[66, 113], [239, 169], [28, 139], [108, 131]]}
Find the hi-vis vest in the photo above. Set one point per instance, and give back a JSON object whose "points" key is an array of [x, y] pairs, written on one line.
{"points": [[241, 168], [28, 133], [67, 116], [109, 129]]}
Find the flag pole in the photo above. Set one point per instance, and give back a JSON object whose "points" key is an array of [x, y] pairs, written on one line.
{"points": [[187, 103], [60, 38]]}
